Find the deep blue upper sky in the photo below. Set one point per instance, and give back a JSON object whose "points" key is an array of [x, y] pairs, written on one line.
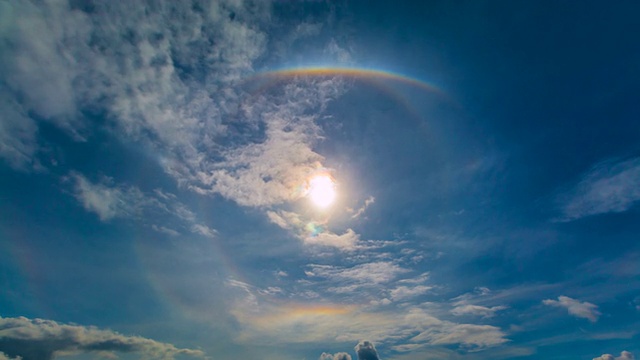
{"points": [[156, 165]]}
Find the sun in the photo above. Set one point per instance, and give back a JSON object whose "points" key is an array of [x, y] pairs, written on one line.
{"points": [[322, 190]]}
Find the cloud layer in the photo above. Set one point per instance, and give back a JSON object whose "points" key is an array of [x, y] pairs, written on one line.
{"points": [[38, 339]]}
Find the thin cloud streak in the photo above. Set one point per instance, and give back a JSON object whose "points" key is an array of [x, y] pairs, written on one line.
{"points": [[585, 310], [609, 187]]}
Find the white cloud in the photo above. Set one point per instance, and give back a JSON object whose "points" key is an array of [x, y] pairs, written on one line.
{"points": [[165, 230], [293, 323], [4, 356], [404, 292], [110, 201], [356, 213], [312, 233], [476, 310], [346, 241], [625, 355], [467, 304], [203, 230], [608, 187], [44, 339], [105, 201], [469, 335], [165, 74], [369, 273], [576, 308]]}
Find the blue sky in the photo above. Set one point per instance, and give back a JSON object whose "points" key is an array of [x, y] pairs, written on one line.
{"points": [[157, 162]]}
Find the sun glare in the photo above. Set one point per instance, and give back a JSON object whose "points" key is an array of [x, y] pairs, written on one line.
{"points": [[322, 190]]}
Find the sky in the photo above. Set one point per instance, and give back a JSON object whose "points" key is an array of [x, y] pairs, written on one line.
{"points": [[319, 180]]}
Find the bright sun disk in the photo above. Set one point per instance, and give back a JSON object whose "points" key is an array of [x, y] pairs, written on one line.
{"points": [[322, 190]]}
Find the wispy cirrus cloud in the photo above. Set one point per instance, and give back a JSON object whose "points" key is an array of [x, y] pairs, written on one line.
{"points": [[110, 201], [609, 187], [363, 274], [38, 339], [467, 304], [476, 310], [18, 134], [357, 213], [585, 310]]}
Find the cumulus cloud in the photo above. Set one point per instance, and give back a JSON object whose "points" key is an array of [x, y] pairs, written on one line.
{"points": [[4, 356], [366, 351], [608, 187], [625, 355], [38, 339], [585, 310], [336, 356]]}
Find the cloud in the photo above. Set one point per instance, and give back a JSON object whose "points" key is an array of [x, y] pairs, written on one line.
{"points": [[4, 356], [469, 335], [105, 201], [404, 292], [609, 187], [356, 213], [313, 233], [476, 310], [625, 355], [366, 351], [576, 308], [346, 241], [18, 143], [368, 273], [336, 356], [110, 201], [38, 339], [166, 75], [407, 327]]}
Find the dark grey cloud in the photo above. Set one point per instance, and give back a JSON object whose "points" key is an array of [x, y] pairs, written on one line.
{"points": [[38, 339], [366, 351]]}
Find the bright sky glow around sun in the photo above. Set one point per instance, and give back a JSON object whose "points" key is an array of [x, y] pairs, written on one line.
{"points": [[320, 180], [322, 190]]}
